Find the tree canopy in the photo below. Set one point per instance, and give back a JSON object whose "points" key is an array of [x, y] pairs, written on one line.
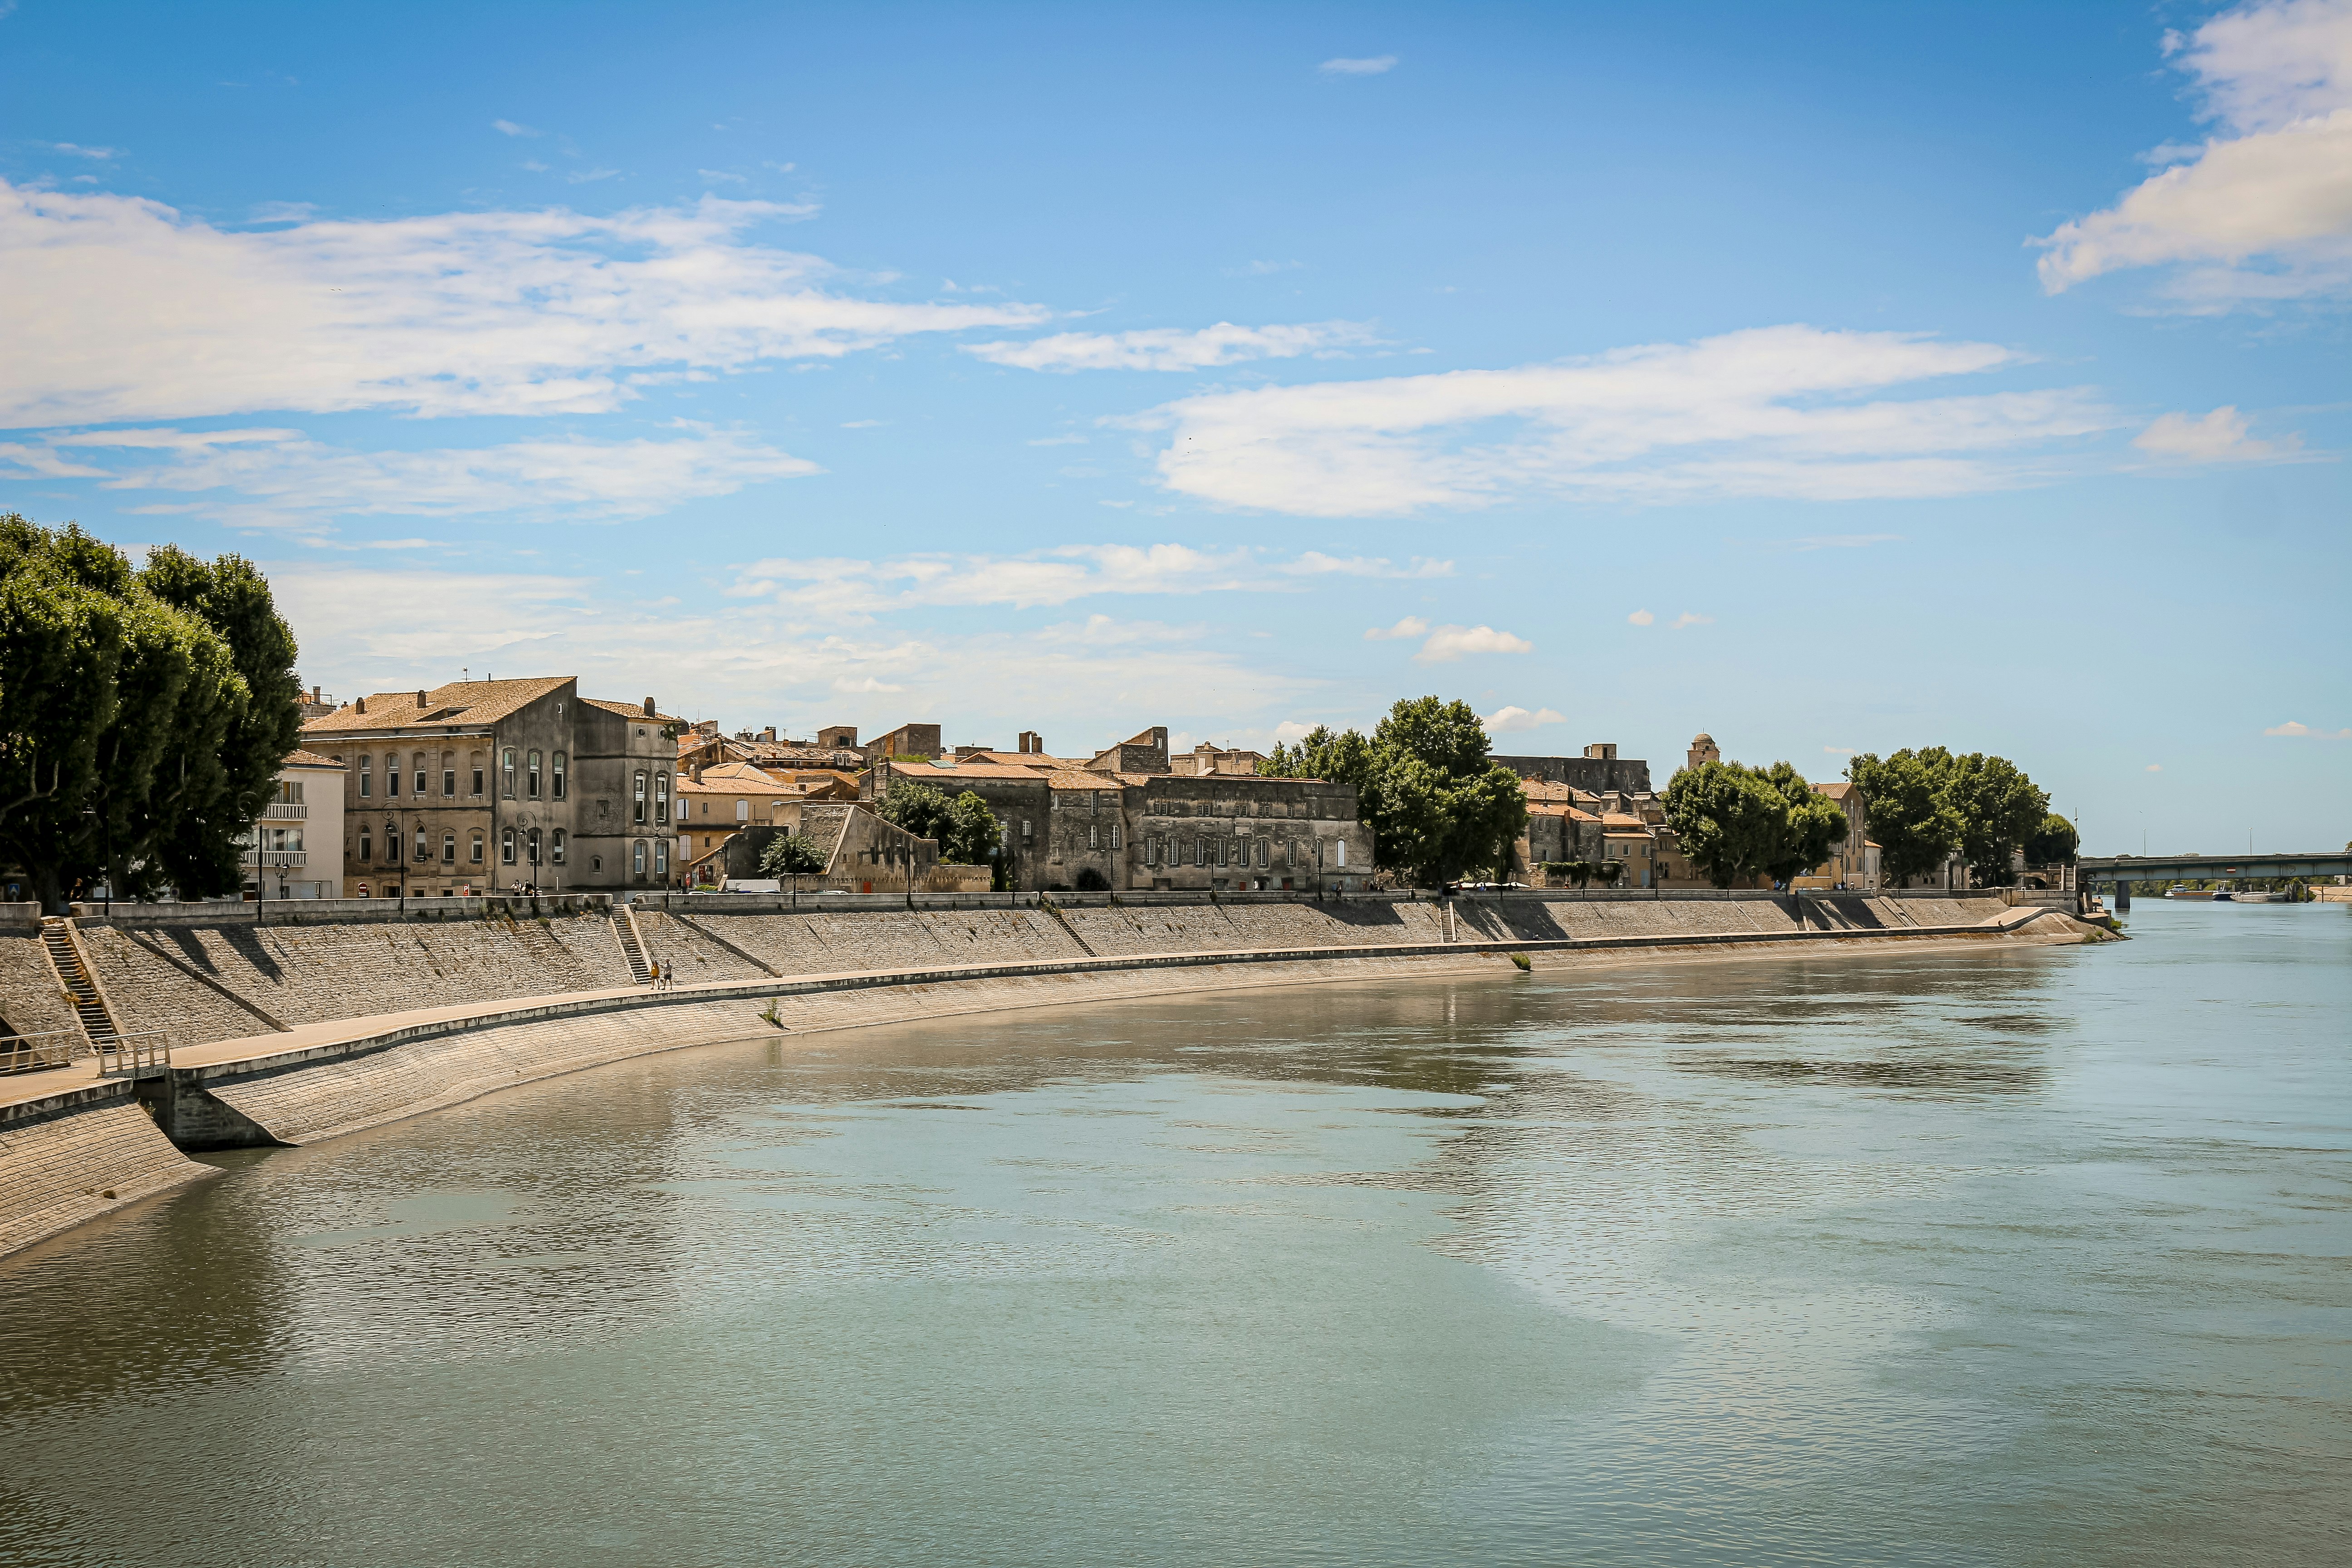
{"points": [[790, 855], [967, 831], [1733, 821], [144, 713], [1922, 804], [2055, 843], [1436, 806]]}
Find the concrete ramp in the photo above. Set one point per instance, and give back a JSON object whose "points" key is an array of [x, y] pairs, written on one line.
{"points": [[62, 1166]]}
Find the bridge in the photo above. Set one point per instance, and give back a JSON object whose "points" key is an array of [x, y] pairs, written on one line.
{"points": [[2119, 871]]}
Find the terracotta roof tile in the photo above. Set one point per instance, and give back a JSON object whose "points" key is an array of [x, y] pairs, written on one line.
{"points": [[455, 702], [301, 759]]}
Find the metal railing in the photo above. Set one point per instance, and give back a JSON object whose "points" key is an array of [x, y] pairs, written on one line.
{"points": [[274, 858], [140, 1054], [286, 809], [26, 1053]]}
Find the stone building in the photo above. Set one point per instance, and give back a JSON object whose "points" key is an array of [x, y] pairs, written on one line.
{"points": [[863, 853], [1598, 770], [491, 785], [1854, 861], [1126, 820], [1206, 759], [294, 849], [906, 741]]}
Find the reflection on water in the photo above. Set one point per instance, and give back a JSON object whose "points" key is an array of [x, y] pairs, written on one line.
{"points": [[2020, 1256]]}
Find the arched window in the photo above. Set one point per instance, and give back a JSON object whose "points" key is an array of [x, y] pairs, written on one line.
{"points": [[637, 855], [506, 772], [477, 848], [558, 775], [1264, 853], [448, 849], [367, 844], [391, 841], [506, 846], [367, 778], [533, 778], [424, 848], [477, 761], [420, 761], [391, 775], [638, 812], [532, 846], [558, 852], [661, 857], [448, 776], [661, 797]]}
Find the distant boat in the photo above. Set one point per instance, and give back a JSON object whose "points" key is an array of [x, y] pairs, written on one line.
{"points": [[2182, 890], [2257, 899], [2221, 897]]}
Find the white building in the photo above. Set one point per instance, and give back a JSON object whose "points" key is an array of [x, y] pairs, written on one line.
{"points": [[296, 848]]}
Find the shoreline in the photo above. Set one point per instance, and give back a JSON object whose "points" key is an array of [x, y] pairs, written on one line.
{"points": [[90, 1147]]}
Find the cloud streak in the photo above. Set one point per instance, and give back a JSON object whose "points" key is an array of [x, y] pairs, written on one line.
{"points": [[1778, 411], [2218, 437], [148, 314], [1173, 348]]}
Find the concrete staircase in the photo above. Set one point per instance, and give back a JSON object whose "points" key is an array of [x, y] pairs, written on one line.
{"points": [[633, 944], [78, 981]]}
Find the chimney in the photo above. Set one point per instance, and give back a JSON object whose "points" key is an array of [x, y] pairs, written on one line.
{"points": [[420, 701], [1032, 742], [649, 708], [314, 694], [769, 733], [698, 773], [359, 704]]}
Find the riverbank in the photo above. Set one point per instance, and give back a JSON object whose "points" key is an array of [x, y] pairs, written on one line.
{"points": [[73, 1146]]}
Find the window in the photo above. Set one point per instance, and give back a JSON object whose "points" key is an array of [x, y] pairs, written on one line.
{"points": [[1200, 852], [419, 761], [637, 857], [449, 781], [424, 849], [742, 810], [1113, 836], [367, 779], [1264, 853], [477, 849], [1091, 836], [638, 813], [558, 775], [558, 854], [1025, 834], [530, 844], [367, 846], [448, 849], [1343, 852], [477, 773], [661, 857], [390, 776], [506, 771], [390, 841], [531, 777], [661, 797], [506, 846]]}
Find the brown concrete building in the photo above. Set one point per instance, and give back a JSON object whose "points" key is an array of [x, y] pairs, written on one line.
{"points": [[487, 785]]}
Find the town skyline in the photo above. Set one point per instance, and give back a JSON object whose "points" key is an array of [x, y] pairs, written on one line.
{"points": [[1829, 383]]}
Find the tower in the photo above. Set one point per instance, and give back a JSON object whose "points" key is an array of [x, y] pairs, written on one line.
{"points": [[1703, 749]]}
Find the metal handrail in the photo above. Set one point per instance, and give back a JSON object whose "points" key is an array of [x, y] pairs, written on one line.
{"points": [[19, 1054], [133, 1054]]}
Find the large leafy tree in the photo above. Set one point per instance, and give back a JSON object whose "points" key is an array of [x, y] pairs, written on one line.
{"points": [[1436, 806], [2055, 843], [1903, 797], [792, 855], [967, 831], [143, 713], [1999, 807], [1735, 822]]}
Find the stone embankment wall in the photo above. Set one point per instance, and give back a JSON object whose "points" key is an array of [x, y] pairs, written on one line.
{"points": [[76, 1156]]}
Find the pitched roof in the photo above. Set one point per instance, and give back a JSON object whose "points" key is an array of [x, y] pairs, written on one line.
{"points": [[453, 702], [632, 710], [1618, 821], [301, 759], [1838, 790]]}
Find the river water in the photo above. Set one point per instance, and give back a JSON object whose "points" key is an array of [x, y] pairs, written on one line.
{"points": [[2011, 1256]]}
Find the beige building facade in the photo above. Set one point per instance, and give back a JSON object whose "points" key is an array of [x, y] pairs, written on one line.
{"points": [[294, 849]]}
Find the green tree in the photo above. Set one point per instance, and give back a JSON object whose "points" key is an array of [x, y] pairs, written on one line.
{"points": [[967, 831], [2055, 843], [143, 715], [1903, 798], [1436, 806], [1809, 827], [1999, 806], [1726, 819], [790, 855]]}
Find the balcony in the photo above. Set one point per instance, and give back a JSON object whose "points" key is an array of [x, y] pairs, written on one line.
{"points": [[277, 857], [285, 811]]}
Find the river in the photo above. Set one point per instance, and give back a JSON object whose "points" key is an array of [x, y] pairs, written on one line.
{"points": [[2010, 1256]]}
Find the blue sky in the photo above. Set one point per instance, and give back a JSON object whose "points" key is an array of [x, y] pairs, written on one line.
{"points": [[1822, 377]]}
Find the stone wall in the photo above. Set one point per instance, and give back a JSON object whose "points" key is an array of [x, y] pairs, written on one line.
{"points": [[60, 1166]]}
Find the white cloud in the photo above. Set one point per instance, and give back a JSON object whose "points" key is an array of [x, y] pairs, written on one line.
{"points": [[1173, 348], [272, 478], [2292, 728], [1447, 644], [101, 154], [509, 128], [1375, 65], [1315, 564], [590, 176], [2216, 438], [1509, 720], [2261, 211], [1841, 541], [1688, 619], [150, 315], [1773, 411], [847, 589], [1411, 626], [721, 176], [1641, 619]]}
